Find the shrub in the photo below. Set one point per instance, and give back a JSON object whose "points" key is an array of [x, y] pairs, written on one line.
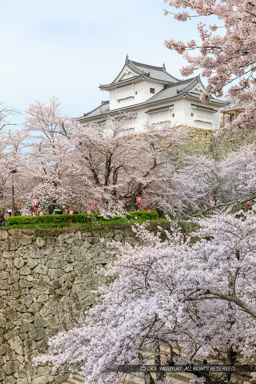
{"points": [[142, 215], [76, 218]]}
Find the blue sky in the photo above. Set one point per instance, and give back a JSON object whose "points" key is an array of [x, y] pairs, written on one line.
{"points": [[67, 48]]}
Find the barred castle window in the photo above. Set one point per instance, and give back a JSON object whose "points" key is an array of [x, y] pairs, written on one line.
{"points": [[124, 92], [159, 117]]}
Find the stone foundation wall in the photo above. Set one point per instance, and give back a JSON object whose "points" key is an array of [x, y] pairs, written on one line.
{"points": [[197, 142], [203, 142], [46, 278]]}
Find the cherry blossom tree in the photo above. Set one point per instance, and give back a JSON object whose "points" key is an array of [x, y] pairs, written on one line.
{"points": [[50, 152], [67, 163], [238, 172], [115, 167], [226, 53], [99, 162], [15, 163], [5, 113], [204, 183], [196, 184], [177, 301], [13, 167], [4, 172]]}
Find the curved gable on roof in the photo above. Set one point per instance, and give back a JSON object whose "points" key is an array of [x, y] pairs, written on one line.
{"points": [[134, 69], [154, 72], [195, 85]]}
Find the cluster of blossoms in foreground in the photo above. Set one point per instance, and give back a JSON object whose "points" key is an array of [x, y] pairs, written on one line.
{"points": [[199, 295]]}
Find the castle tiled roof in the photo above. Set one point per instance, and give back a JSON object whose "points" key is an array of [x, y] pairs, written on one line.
{"points": [[143, 71], [158, 73], [98, 111]]}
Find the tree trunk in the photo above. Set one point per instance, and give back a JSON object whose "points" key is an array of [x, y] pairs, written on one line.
{"points": [[159, 375], [148, 379]]}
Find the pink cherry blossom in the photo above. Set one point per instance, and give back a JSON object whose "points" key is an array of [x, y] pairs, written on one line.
{"points": [[200, 295], [226, 53]]}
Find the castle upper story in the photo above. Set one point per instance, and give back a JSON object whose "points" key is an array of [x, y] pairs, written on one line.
{"points": [[155, 96]]}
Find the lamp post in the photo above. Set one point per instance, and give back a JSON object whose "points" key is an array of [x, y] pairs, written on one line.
{"points": [[248, 203], [35, 203], [138, 201], [71, 213], [63, 208]]}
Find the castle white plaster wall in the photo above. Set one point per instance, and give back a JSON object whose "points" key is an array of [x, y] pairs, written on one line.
{"points": [[143, 93]]}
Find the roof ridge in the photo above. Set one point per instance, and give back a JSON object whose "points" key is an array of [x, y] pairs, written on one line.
{"points": [[174, 85], [188, 87], [181, 81], [146, 65], [120, 82], [134, 68]]}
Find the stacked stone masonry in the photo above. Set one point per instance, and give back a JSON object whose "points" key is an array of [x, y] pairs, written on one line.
{"points": [[46, 282]]}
